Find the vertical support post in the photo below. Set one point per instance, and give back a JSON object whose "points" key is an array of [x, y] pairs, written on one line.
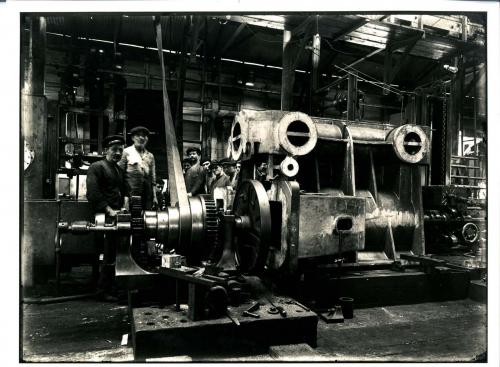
{"points": [[453, 121], [34, 109], [387, 68], [315, 73], [460, 102], [418, 245], [476, 151], [181, 76], [352, 95], [287, 74]]}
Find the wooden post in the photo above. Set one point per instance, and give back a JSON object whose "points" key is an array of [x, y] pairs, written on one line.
{"points": [[181, 76], [315, 73], [288, 74], [352, 95], [34, 110]]}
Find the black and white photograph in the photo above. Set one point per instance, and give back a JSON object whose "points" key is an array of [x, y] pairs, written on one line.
{"points": [[263, 185]]}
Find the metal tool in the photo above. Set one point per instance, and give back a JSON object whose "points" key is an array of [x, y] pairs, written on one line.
{"points": [[232, 317], [250, 314], [254, 307], [293, 302]]}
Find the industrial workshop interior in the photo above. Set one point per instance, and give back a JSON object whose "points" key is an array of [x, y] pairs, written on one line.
{"points": [[253, 187]]}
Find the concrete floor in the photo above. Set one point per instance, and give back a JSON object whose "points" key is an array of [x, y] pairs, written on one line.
{"points": [[91, 331]]}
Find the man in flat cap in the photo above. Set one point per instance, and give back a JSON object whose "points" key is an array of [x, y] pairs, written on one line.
{"points": [[229, 167], [220, 179], [195, 175], [140, 167], [108, 192]]}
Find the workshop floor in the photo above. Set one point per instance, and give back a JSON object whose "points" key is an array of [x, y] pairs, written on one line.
{"points": [[91, 331]]}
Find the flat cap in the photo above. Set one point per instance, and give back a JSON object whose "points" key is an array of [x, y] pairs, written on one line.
{"points": [[113, 139], [227, 162], [214, 163], [193, 149], [139, 129]]}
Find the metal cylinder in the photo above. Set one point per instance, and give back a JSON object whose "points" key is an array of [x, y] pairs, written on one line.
{"points": [[289, 167], [297, 133]]}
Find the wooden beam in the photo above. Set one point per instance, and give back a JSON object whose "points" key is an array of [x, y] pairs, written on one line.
{"points": [[355, 26], [396, 45], [232, 39], [402, 60]]}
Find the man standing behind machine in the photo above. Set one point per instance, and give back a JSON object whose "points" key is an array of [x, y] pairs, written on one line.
{"points": [[195, 176], [229, 167], [220, 179], [108, 192], [140, 167]]}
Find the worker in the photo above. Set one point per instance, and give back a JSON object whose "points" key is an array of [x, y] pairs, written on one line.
{"points": [[261, 171], [108, 192], [209, 175], [139, 164], [229, 167], [195, 175], [186, 164], [220, 180]]}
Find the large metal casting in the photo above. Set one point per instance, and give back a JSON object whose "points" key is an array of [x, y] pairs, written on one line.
{"points": [[335, 187]]}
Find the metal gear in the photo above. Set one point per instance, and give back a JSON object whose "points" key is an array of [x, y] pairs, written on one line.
{"points": [[211, 226]]}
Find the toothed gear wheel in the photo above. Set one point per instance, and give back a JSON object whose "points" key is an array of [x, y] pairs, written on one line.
{"points": [[210, 221], [136, 216]]}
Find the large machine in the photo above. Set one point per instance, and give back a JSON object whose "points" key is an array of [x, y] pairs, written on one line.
{"points": [[330, 189], [335, 187]]}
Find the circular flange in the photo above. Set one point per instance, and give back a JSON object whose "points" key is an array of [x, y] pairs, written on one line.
{"points": [[289, 167], [410, 143], [470, 232], [251, 243], [297, 133]]}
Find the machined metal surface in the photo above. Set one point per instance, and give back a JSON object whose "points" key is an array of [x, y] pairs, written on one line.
{"points": [[319, 220], [251, 243]]}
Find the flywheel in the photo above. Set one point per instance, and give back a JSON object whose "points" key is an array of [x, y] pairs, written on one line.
{"points": [[251, 240]]}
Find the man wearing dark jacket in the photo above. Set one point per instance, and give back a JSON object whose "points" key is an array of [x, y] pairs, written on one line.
{"points": [[108, 192], [195, 175], [220, 179]]}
